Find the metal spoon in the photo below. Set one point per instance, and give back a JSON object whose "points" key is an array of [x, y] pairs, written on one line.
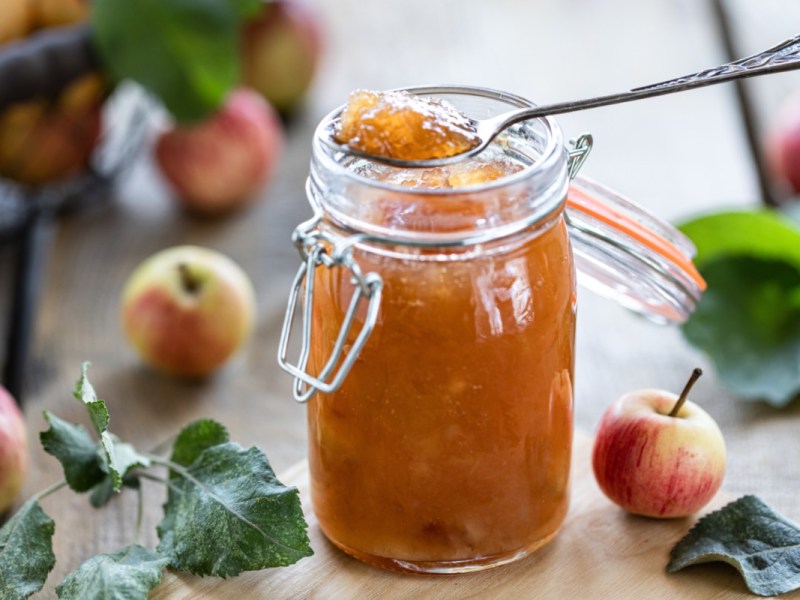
{"points": [[783, 57]]}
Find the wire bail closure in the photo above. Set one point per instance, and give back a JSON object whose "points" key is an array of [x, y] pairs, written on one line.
{"points": [[581, 146], [318, 248]]}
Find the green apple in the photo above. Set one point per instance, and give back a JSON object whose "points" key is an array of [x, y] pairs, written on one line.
{"points": [[658, 455], [13, 450], [187, 309]]}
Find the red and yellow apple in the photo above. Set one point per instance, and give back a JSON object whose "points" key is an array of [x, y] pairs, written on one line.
{"points": [[187, 309], [653, 463], [280, 52], [224, 162], [13, 450]]}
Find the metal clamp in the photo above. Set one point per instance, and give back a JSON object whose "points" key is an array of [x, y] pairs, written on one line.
{"points": [[320, 248], [581, 146]]}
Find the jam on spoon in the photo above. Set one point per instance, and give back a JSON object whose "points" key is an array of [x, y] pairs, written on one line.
{"points": [[399, 125]]}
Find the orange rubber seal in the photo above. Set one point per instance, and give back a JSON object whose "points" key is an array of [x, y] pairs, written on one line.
{"points": [[580, 200]]}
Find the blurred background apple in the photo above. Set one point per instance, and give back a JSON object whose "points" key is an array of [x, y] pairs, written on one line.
{"points": [[13, 450], [281, 49], [49, 139], [222, 163]]}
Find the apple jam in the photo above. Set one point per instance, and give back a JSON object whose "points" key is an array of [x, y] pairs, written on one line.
{"points": [[403, 126], [447, 447], [438, 330]]}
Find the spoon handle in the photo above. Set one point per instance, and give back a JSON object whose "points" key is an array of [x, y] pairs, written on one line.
{"points": [[783, 57]]}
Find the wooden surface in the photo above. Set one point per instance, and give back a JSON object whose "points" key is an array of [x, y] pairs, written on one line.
{"points": [[600, 549], [677, 155]]}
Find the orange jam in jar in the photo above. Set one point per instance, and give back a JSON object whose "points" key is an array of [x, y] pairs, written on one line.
{"points": [[437, 352]]}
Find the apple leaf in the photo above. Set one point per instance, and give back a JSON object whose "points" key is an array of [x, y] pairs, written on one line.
{"points": [[75, 450], [747, 534], [184, 51], [26, 552], [84, 391], [227, 513], [118, 458], [196, 437], [748, 320], [128, 574], [103, 492]]}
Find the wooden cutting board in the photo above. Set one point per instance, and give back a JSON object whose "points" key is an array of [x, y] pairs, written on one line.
{"points": [[601, 552]]}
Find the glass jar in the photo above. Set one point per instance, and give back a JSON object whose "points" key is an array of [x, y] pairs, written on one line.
{"points": [[438, 333]]}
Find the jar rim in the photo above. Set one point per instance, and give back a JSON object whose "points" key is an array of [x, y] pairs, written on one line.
{"points": [[551, 153]]}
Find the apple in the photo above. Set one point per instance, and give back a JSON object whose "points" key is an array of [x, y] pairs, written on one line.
{"points": [[46, 140], [224, 162], [42, 142], [782, 145], [13, 450], [658, 455], [16, 20], [187, 309], [280, 51], [54, 13]]}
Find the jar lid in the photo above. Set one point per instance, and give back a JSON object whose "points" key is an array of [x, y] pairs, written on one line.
{"points": [[623, 252]]}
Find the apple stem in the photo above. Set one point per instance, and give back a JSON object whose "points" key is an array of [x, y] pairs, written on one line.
{"points": [[190, 283], [679, 404]]}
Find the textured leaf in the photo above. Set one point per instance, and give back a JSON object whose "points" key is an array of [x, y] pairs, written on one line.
{"points": [[761, 544], [75, 450], [749, 324], [26, 552], [84, 392], [185, 51], [128, 574], [228, 513], [124, 457], [103, 492], [196, 437], [119, 458]]}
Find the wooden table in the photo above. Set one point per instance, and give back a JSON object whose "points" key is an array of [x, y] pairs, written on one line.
{"points": [[677, 155]]}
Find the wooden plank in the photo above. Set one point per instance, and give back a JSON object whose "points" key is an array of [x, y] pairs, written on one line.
{"points": [[600, 548]]}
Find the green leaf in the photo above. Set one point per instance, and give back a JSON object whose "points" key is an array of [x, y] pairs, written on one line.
{"points": [[26, 552], [247, 9], [124, 458], [184, 51], [118, 458], [196, 437], [227, 513], [748, 322], [104, 491], [761, 544], [759, 234], [75, 450], [128, 574], [98, 412]]}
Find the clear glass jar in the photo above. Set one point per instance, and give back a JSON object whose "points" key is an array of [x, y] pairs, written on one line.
{"points": [[438, 338]]}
